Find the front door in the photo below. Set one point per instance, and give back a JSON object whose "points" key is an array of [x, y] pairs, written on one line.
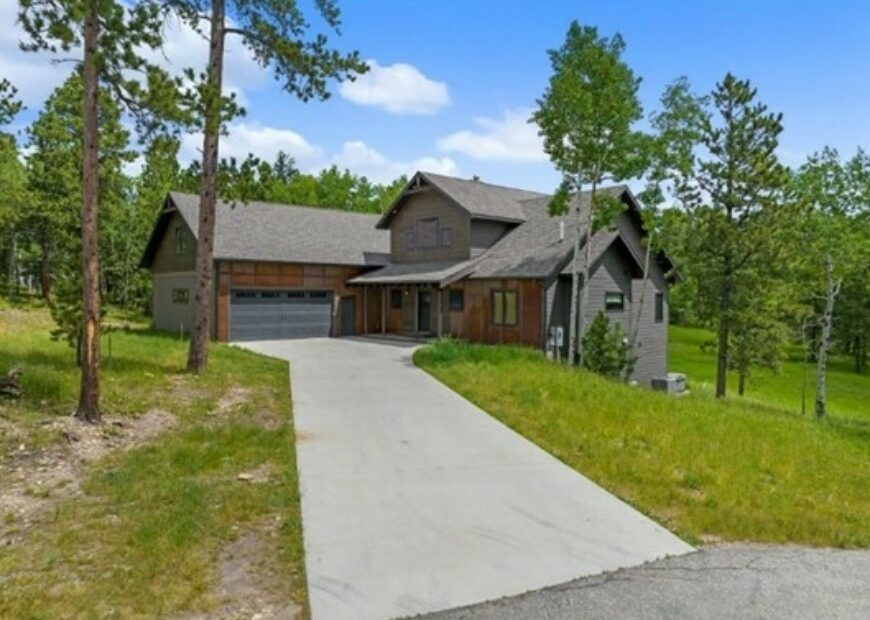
{"points": [[347, 312], [424, 311]]}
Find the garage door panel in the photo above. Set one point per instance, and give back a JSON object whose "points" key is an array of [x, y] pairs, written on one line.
{"points": [[279, 315]]}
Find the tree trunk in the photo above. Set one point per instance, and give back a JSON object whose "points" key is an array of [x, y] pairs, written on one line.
{"points": [[832, 289], [724, 337], [584, 290], [575, 284], [741, 382], [89, 399], [635, 327], [198, 356], [45, 269]]}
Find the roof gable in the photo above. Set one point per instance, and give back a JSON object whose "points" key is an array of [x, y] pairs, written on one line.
{"points": [[480, 200]]}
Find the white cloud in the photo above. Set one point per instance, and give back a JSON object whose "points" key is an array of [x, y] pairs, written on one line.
{"points": [[399, 88], [263, 142], [362, 159], [511, 138]]}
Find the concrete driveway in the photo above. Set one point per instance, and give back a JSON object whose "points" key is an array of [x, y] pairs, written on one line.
{"points": [[414, 500]]}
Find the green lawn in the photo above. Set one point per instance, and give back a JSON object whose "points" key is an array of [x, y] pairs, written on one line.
{"points": [[848, 392], [711, 471], [144, 538]]}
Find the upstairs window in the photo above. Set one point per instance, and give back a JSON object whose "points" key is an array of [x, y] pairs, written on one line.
{"points": [[427, 233], [180, 241], [180, 295], [614, 301], [446, 238], [410, 240], [504, 308], [660, 307]]}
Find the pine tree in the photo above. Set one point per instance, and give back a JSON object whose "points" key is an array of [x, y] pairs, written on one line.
{"points": [[732, 185], [275, 33], [606, 349]]}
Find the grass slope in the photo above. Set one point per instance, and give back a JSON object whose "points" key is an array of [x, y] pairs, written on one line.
{"points": [[848, 392], [144, 538], [708, 470]]}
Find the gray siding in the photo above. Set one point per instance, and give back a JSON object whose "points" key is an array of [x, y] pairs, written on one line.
{"points": [[170, 316], [612, 273], [424, 205], [165, 259], [652, 337], [484, 233]]}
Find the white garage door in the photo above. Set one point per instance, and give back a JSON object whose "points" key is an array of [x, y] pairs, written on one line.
{"points": [[280, 315]]}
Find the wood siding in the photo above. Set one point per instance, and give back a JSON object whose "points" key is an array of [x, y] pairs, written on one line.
{"points": [[426, 204], [165, 259], [613, 273], [475, 321], [484, 233], [290, 276]]}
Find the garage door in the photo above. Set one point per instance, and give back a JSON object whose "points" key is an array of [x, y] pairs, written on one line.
{"points": [[280, 315]]}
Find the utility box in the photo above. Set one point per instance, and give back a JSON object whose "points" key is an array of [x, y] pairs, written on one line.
{"points": [[673, 383]]}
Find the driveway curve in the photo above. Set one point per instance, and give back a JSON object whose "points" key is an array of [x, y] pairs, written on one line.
{"points": [[414, 500]]}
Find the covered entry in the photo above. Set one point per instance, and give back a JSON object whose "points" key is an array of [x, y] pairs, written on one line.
{"points": [[279, 315]]}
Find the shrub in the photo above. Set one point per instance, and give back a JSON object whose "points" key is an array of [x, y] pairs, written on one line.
{"points": [[606, 350]]}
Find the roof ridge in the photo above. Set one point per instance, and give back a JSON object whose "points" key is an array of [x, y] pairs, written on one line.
{"points": [[282, 205], [496, 185]]}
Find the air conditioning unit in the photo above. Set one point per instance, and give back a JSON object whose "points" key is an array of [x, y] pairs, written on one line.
{"points": [[673, 383]]}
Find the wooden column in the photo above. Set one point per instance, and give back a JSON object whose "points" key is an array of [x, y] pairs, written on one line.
{"points": [[440, 310], [365, 309], [383, 309]]}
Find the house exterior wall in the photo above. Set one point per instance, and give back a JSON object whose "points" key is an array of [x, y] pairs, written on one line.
{"points": [[169, 313], [429, 203], [165, 259], [262, 275], [652, 337], [475, 321], [612, 274], [484, 233]]}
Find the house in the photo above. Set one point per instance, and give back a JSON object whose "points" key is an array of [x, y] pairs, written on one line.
{"points": [[450, 257]]}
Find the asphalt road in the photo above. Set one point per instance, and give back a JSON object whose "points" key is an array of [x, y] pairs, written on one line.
{"points": [[732, 582]]}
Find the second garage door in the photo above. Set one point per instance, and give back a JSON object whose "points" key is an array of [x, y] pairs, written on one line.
{"points": [[280, 315]]}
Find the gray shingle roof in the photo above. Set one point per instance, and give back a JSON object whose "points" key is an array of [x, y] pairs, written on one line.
{"points": [[484, 200], [440, 273], [533, 249], [281, 233]]}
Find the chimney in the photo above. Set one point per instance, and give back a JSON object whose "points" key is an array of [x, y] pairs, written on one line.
{"points": [[561, 231]]}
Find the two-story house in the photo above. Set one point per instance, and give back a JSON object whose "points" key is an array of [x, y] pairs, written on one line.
{"points": [[450, 257]]}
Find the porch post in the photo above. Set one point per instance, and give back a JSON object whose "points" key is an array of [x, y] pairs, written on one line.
{"points": [[383, 309], [440, 308], [365, 309]]}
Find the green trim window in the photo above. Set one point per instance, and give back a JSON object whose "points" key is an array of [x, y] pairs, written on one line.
{"points": [[180, 295], [660, 307], [504, 308], [614, 301], [457, 300], [180, 241]]}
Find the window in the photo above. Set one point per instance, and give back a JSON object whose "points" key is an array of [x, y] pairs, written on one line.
{"points": [[446, 238], [180, 241], [457, 300], [614, 301], [427, 233], [180, 295], [395, 298], [270, 295], [660, 307], [410, 240], [296, 294], [504, 308], [318, 295], [245, 294]]}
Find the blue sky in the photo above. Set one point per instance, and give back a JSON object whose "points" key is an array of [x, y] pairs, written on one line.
{"points": [[454, 81]]}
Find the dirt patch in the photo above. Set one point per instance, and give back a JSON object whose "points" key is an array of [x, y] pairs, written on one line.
{"points": [[249, 585], [36, 479]]}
